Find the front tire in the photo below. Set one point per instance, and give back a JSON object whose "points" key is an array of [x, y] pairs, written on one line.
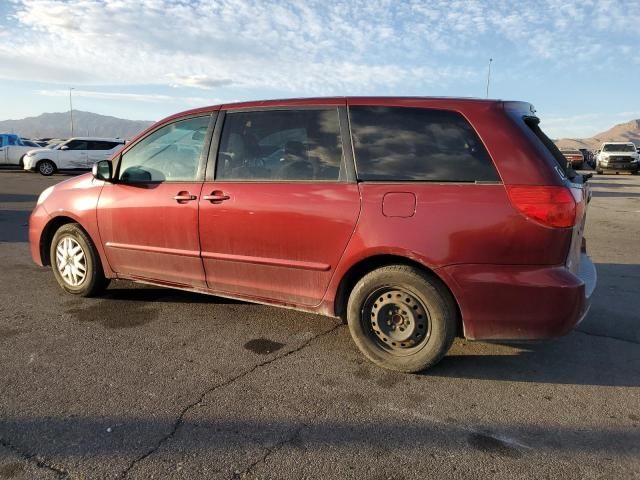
{"points": [[402, 318], [76, 263], [46, 168]]}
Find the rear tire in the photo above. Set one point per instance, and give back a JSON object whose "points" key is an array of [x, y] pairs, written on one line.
{"points": [[21, 163], [75, 262], [46, 168], [402, 318]]}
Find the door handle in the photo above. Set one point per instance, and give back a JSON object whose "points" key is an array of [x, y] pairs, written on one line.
{"points": [[216, 197], [183, 197]]}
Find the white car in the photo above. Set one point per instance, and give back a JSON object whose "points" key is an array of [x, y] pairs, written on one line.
{"points": [[618, 157], [13, 149], [78, 153]]}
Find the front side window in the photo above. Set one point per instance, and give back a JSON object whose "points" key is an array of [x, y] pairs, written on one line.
{"points": [[171, 153], [417, 144], [77, 145], [280, 145]]}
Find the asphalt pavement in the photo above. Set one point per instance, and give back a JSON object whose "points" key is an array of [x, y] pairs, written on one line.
{"points": [[147, 382]]}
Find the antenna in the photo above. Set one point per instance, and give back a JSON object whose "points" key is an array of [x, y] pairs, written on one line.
{"points": [[489, 76]]}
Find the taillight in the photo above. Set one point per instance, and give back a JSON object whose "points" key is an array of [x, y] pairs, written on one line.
{"points": [[548, 206]]}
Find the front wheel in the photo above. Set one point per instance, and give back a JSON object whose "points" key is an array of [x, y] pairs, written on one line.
{"points": [[76, 263], [402, 318], [46, 167]]}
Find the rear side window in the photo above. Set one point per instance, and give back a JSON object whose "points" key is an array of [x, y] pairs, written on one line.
{"points": [[280, 145], [417, 144], [102, 145]]}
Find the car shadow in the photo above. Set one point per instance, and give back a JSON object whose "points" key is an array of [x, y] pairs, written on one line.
{"points": [[163, 295], [17, 198], [14, 225]]}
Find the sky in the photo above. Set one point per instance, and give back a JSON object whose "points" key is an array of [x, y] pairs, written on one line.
{"points": [[578, 62]]}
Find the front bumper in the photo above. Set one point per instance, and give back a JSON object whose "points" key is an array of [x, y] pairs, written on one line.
{"points": [[621, 167], [37, 222], [514, 302], [29, 164]]}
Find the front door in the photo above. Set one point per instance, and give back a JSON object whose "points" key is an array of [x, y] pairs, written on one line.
{"points": [[100, 150], [74, 156], [148, 218], [279, 213]]}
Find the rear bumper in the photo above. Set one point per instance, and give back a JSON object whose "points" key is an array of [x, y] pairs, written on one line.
{"points": [[521, 302]]}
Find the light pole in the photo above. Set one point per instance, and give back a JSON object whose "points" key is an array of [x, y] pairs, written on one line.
{"points": [[71, 110], [489, 76]]}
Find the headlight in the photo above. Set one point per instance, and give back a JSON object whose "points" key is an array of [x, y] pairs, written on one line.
{"points": [[45, 193]]}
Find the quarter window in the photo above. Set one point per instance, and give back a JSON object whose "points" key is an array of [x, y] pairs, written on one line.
{"points": [[171, 153], [280, 145], [416, 144]]}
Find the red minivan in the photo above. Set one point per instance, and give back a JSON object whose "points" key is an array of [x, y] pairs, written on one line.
{"points": [[414, 219]]}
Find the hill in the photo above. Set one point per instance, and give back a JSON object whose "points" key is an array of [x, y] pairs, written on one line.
{"points": [[623, 132], [57, 125]]}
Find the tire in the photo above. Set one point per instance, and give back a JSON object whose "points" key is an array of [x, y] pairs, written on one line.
{"points": [[68, 270], [429, 321], [21, 163], [46, 167]]}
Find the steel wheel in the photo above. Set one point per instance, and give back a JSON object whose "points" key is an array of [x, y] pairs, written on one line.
{"points": [[71, 261], [397, 320]]}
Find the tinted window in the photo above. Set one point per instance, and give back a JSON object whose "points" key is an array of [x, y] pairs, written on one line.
{"points": [[280, 145], [77, 145], [171, 153], [415, 144], [102, 145]]}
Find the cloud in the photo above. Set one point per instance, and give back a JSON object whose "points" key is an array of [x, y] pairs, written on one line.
{"points": [[312, 47], [198, 81], [135, 97]]}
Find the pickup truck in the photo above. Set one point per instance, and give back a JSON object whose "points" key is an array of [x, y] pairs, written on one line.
{"points": [[13, 149], [618, 157]]}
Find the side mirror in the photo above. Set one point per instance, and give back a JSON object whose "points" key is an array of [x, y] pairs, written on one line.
{"points": [[64, 147], [102, 170]]}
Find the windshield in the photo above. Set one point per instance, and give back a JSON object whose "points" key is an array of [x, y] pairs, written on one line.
{"points": [[612, 147]]}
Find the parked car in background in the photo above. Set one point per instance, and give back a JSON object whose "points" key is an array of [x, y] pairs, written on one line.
{"points": [[618, 157], [408, 217], [587, 156], [13, 149], [78, 153], [574, 157]]}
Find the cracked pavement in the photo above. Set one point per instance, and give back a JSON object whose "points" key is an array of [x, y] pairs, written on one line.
{"points": [[152, 383]]}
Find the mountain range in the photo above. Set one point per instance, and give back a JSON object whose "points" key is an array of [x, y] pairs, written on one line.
{"points": [[58, 125], [623, 132]]}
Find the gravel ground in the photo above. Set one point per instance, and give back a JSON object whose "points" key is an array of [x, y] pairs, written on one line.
{"points": [[152, 383]]}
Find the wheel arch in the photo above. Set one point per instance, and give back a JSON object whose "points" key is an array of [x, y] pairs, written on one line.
{"points": [[367, 265], [50, 229]]}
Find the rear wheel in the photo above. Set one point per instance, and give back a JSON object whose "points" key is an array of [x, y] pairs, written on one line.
{"points": [[75, 262], [402, 318], [46, 167], [21, 163]]}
